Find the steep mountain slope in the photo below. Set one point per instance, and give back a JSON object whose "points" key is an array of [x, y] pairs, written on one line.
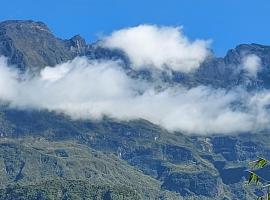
{"points": [[191, 166], [28, 161], [221, 72]]}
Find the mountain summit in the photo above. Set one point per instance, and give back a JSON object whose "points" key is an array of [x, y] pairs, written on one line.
{"points": [[31, 45]]}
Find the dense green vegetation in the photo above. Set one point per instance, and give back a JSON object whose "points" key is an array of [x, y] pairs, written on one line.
{"points": [[67, 190], [30, 161]]}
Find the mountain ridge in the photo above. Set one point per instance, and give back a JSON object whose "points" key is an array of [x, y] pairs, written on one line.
{"points": [[32, 46]]}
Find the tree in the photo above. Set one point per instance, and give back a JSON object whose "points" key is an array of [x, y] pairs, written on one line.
{"points": [[260, 181]]}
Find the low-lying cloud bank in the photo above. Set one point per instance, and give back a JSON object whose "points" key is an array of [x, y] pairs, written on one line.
{"points": [[85, 89], [91, 89]]}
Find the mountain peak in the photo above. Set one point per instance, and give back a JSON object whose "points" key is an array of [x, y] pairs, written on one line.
{"points": [[76, 44], [31, 45], [23, 25], [78, 38]]}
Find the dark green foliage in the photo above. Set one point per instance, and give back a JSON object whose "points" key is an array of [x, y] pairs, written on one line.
{"points": [[259, 179], [195, 182], [67, 190], [260, 163], [253, 178], [34, 160]]}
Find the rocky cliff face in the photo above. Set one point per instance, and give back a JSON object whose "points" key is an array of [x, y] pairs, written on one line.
{"points": [[223, 72]]}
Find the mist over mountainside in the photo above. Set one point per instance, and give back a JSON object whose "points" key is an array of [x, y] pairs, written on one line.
{"points": [[145, 101]]}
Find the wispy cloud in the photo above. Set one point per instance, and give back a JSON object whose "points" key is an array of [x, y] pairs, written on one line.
{"points": [[251, 65]]}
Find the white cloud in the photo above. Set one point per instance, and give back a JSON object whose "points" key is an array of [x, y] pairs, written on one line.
{"points": [[251, 65], [91, 89], [159, 47], [8, 80]]}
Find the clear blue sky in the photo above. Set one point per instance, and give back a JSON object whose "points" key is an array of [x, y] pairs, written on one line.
{"points": [[227, 22]]}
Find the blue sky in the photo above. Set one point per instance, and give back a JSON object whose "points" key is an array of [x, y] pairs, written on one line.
{"points": [[226, 22]]}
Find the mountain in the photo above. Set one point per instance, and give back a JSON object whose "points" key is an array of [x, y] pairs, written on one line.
{"points": [[42, 50], [31, 46], [44, 154]]}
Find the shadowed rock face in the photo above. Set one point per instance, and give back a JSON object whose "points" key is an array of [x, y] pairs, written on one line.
{"points": [[225, 73], [202, 183]]}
